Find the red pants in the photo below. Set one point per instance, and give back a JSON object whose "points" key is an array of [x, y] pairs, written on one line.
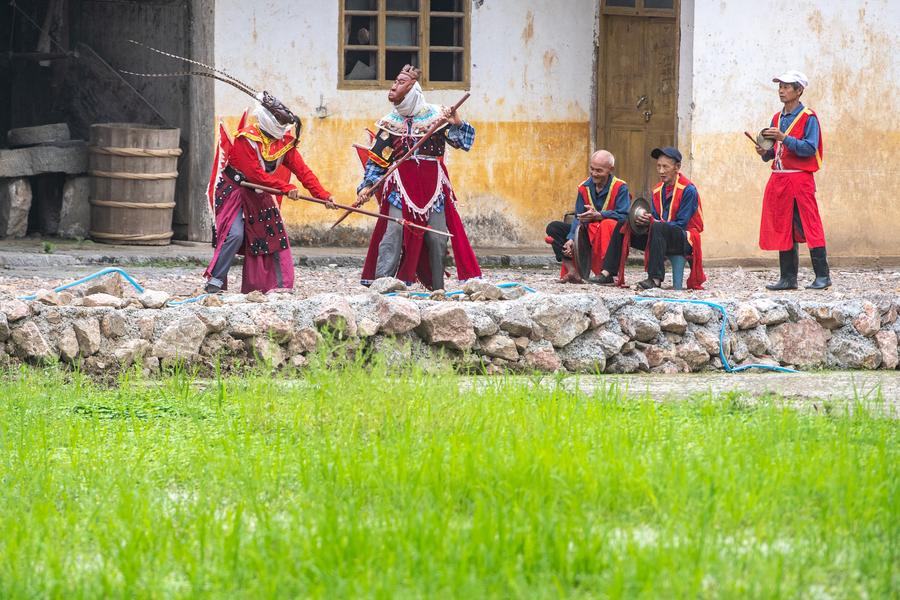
{"points": [[776, 230]]}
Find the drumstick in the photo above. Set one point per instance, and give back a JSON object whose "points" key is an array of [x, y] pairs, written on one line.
{"points": [[752, 139]]}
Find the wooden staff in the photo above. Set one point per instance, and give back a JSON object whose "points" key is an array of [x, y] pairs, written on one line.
{"points": [[437, 125], [361, 211]]}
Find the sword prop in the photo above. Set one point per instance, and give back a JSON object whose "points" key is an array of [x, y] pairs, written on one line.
{"points": [[437, 125], [402, 222]]}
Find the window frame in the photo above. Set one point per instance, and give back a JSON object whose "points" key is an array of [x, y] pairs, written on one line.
{"points": [[639, 10], [424, 15]]}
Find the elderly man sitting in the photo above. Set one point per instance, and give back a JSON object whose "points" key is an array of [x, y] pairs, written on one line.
{"points": [[675, 225], [602, 202]]}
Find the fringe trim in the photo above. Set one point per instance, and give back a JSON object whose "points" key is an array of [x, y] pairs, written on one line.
{"points": [[424, 212]]}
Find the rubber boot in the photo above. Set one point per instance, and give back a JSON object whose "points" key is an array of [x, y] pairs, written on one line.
{"points": [[820, 267], [789, 264]]}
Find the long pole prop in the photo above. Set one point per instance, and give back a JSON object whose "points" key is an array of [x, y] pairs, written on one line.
{"points": [[751, 138], [361, 211], [437, 125]]}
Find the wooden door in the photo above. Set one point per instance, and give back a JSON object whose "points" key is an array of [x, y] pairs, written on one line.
{"points": [[638, 93]]}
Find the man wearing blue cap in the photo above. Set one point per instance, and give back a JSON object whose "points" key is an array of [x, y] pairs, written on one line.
{"points": [[675, 223]]}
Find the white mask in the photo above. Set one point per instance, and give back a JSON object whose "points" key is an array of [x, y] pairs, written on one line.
{"points": [[269, 124], [412, 103]]}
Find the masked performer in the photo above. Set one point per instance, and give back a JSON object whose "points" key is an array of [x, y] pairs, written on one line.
{"points": [[249, 222], [790, 213], [418, 191]]}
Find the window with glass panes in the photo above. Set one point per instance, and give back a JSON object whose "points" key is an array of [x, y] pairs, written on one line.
{"points": [[639, 7], [378, 37]]}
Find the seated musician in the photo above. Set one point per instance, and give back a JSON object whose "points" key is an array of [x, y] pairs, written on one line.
{"points": [[675, 224], [602, 202]]}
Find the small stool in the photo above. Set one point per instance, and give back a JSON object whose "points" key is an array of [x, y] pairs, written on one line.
{"points": [[677, 261]]}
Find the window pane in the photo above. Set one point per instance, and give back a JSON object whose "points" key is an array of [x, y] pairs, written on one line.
{"points": [[360, 30], [360, 65], [446, 31], [445, 66], [361, 4], [625, 3], [395, 60], [446, 6], [402, 31], [663, 4], [403, 4]]}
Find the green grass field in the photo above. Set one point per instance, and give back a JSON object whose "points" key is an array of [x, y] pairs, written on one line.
{"points": [[355, 483]]}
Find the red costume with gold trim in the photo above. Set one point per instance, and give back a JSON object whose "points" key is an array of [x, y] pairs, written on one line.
{"points": [[258, 158]]}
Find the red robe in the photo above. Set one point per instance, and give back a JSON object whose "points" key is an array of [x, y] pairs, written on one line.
{"points": [[264, 231], [599, 232], [419, 183], [694, 229], [792, 181]]}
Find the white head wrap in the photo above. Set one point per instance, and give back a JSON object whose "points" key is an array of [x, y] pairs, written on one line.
{"points": [[269, 124], [412, 103]]}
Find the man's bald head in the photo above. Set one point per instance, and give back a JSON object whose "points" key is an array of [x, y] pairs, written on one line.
{"points": [[604, 156], [602, 165]]}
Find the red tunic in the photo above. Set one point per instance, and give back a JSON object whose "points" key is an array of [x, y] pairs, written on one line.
{"points": [[265, 236], [792, 182]]}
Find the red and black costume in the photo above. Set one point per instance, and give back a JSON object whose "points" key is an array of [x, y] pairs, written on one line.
{"points": [[249, 222]]}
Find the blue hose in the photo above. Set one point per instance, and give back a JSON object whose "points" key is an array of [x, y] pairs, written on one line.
{"points": [[99, 273], [725, 364], [186, 301]]}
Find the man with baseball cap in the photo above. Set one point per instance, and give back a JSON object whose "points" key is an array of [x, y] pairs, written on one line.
{"points": [[790, 213], [674, 227]]}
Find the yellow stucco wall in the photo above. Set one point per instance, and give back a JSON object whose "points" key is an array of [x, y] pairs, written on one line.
{"points": [[516, 178]]}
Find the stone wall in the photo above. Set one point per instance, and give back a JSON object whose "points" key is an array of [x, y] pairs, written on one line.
{"points": [[487, 330]]}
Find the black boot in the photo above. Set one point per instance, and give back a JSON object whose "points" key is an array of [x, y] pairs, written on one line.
{"points": [[789, 263], [820, 267]]}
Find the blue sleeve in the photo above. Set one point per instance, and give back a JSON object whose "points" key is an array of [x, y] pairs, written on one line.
{"points": [[687, 208], [579, 208], [373, 172], [462, 137], [622, 205], [809, 143]]}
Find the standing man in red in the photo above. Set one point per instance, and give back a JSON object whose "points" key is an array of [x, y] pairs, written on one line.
{"points": [[419, 190], [790, 213], [249, 222]]}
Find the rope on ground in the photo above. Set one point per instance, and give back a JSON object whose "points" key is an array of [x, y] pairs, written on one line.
{"points": [[725, 364], [99, 273]]}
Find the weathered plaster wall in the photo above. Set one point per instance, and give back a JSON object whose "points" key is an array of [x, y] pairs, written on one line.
{"points": [[531, 96], [849, 51]]}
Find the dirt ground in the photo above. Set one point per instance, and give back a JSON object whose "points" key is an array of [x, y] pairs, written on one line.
{"points": [[724, 283]]}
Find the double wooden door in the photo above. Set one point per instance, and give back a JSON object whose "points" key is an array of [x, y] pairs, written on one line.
{"points": [[638, 93]]}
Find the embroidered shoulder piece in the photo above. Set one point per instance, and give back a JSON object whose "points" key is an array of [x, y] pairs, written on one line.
{"points": [[396, 124], [269, 149]]}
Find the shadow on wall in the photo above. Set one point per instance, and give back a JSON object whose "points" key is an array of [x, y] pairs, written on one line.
{"points": [[489, 228]]}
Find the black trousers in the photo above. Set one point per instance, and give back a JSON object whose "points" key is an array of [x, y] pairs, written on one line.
{"points": [[559, 231], [665, 240]]}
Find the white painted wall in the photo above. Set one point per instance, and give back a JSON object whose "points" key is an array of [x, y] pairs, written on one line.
{"points": [[850, 50], [530, 60]]}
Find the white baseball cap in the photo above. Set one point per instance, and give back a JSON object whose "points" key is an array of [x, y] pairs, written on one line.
{"points": [[792, 77]]}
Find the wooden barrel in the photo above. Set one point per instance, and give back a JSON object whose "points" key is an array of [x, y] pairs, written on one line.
{"points": [[133, 168]]}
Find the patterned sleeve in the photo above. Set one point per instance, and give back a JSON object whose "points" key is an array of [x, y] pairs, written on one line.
{"points": [[373, 172], [461, 137]]}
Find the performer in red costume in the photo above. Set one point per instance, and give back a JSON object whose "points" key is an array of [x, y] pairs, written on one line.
{"points": [[249, 222], [790, 213], [419, 190]]}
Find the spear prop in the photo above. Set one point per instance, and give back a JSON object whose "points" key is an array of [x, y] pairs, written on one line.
{"points": [[437, 125], [402, 222]]}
